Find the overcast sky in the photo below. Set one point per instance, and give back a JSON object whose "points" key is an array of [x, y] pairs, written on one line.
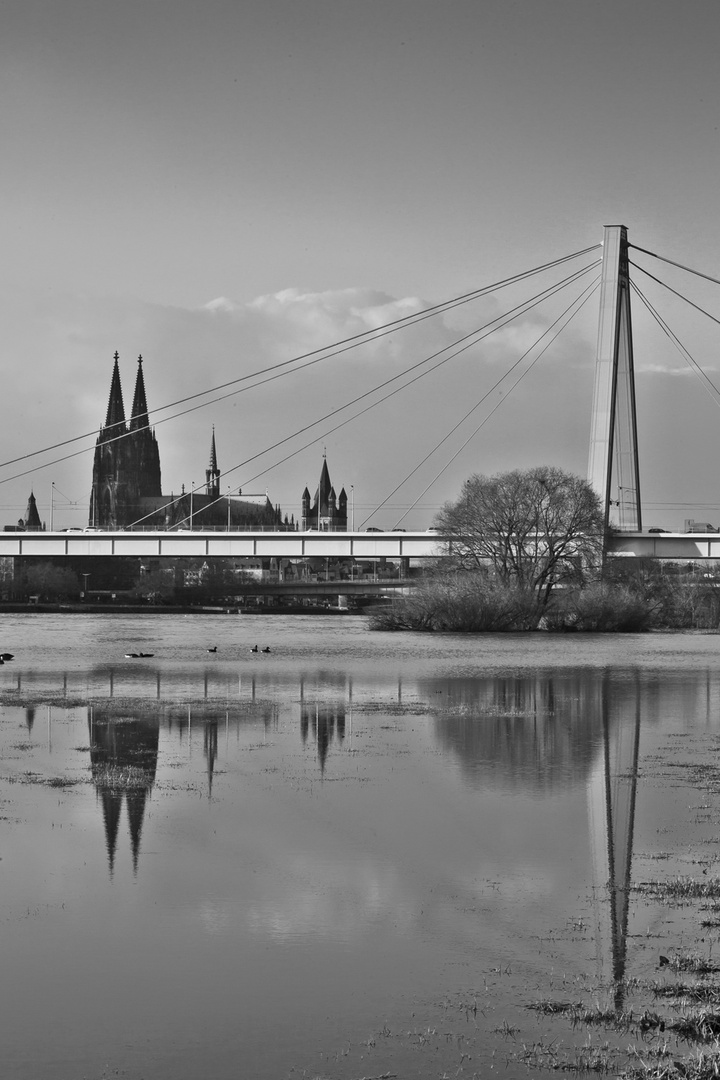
{"points": [[223, 185]]}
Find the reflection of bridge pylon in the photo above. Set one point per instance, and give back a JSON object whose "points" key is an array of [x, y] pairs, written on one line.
{"points": [[611, 803], [613, 467]]}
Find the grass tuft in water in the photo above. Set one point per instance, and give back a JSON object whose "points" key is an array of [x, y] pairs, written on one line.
{"points": [[679, 889]]}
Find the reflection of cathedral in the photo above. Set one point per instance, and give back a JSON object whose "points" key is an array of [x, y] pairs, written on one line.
{"points": [[126, 487], [326, 722], [123, 757]]}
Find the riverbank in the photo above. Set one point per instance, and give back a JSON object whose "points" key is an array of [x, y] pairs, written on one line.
{"points": [[171, 609]]}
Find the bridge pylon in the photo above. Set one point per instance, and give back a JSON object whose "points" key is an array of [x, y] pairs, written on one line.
{"points": [[613, 468]]}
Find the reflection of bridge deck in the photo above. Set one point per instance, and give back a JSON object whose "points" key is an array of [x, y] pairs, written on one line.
{"points": [[286, 545]]}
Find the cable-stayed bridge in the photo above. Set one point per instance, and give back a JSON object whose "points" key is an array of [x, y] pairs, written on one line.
{"points": [[613, 465]]}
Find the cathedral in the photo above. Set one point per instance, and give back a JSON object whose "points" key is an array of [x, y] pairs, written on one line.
{"points": [[126, 484]]}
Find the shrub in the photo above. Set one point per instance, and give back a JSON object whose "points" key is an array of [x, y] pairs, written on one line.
{"points": [[603, 608], [467, 603]]}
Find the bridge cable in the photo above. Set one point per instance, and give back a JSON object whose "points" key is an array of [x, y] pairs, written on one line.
{"points": [[675, 292], [680, 266], [583, 298], [684, 352], [322, 353], [501, 320], [475, 335]]}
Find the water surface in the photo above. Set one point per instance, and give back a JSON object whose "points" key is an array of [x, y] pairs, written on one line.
{"points": [[359, 853]]}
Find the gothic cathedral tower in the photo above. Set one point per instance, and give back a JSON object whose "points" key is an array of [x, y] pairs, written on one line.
{"points": [[126, 468]]}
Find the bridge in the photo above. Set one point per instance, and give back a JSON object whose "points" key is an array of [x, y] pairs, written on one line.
{"points": [[613, 471], [359, 546], [258, 544]]}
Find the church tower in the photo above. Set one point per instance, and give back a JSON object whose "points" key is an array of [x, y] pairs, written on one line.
{"points": [[212, 475], [143, 442], [31, 521], [126, 467], [327, 513]]}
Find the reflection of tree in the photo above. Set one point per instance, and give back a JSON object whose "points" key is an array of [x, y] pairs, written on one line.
{"points": [[532, 731], [123, 757], [325, 722]]}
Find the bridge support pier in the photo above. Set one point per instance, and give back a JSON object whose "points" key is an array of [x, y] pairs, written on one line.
{"points": [[613, 462]]}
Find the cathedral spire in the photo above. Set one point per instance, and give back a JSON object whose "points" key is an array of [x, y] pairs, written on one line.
{"points": [[139, 414], [212, 475], [116, 409], [213, 453]]}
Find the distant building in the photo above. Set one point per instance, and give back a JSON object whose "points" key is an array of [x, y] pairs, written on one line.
{"points": [[31, 522], [327, 513], [126, 484]]}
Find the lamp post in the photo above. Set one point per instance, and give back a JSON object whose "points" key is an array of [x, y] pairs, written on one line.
{"points": [[352, 528], [52, 506]]}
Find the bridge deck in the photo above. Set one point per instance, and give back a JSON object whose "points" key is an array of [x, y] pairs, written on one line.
{"points": [[297, 545], [305, 545], [665, 545]]}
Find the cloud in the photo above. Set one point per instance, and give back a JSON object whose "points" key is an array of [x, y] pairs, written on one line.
{"points": [[300, 321], [221, 304], [649, 368]]}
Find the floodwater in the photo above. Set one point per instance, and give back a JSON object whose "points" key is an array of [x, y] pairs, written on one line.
{"points": [[358, 854]]}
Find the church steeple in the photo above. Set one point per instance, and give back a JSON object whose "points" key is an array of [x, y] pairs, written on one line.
{"points": [[325, 489], [325, 512], [212, 475], [139, 414], [116, 410], [32, 518]]}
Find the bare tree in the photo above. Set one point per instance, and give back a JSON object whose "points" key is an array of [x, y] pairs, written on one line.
{"points": [[533, 529]]}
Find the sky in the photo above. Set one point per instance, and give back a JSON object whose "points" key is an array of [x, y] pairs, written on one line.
{"points": [[223, 186]]}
